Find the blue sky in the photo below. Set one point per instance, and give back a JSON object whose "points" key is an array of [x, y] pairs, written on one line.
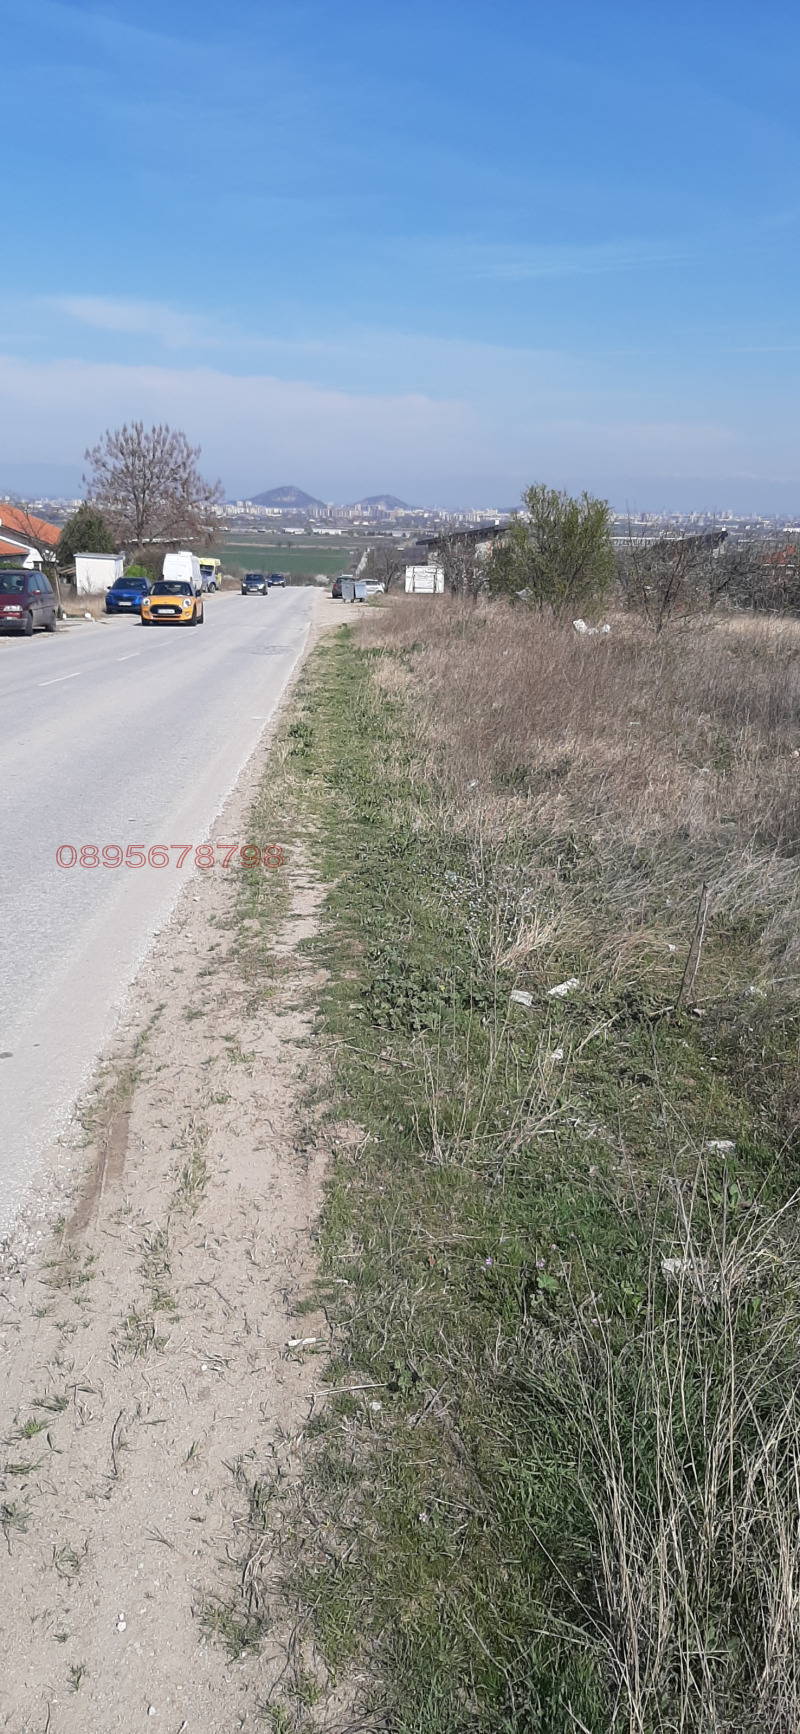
{"points": [[441, 249]]}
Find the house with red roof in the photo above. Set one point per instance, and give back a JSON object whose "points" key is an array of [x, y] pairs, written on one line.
{"points": [[25, 538]]}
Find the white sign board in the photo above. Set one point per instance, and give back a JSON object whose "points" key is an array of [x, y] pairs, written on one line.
{"points": [[425, 580]]}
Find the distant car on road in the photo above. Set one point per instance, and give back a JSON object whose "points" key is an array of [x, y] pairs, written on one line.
{"points": [[172, 602], [26, 601], [253, 583], [336, 592], [125, 595], [276, 578]]}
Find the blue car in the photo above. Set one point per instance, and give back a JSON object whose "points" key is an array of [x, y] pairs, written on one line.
{"points": [[125, 595]]}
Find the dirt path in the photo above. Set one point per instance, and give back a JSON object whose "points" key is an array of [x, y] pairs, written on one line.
{"points": [[153, 1361]]}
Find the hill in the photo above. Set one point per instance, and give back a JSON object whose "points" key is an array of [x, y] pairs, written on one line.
{"points": [[292, 498], [389, 502]]}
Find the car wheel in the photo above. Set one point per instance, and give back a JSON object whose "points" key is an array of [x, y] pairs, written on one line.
{"points": [[202, 617], [50, 625], [193, 621], [28, 627]]}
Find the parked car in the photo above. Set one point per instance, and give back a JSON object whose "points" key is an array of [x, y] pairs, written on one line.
{"points": [[26, 601], [211, 574], [336, 592], [276, 578], [374, 587], [125, 595], [172, 602], [253, 582]]}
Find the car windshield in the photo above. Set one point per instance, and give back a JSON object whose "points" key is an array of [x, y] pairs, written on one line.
{"points": [[12, 583], [206, 570], [171, 587], [128, 583], [254, 577]]}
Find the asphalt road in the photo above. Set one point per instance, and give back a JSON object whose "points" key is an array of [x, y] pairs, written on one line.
{"points": [[111, 734]]}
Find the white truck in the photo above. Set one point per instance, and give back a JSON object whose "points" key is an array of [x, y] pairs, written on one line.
{"points": [[185, 567]]}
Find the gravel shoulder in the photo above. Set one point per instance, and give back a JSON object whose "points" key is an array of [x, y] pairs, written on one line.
{"points": [[153, 1340]]}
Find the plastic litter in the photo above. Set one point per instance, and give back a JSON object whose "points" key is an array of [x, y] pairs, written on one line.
{"points": [[563, 988]]}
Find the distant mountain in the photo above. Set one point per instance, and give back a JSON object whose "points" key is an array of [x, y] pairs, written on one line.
{"points": [[292, 498], [389, 502]]}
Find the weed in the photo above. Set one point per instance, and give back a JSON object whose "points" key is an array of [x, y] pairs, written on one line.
{"points": [[77, 1674], [156, 1270], [192, 1175], [140, 1334], [13, 1519], [29, 1429], [67, 1562], [238, 1632], [54, 1403]]}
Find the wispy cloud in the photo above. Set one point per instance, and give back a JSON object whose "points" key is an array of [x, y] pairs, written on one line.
{"points": [[173, 327], [501, 262]]}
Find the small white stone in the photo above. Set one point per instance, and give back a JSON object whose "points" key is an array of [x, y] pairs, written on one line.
{"points": [[195, 1491], [121, 1626], [151, 1709]]}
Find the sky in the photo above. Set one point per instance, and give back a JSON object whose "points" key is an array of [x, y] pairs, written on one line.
{"points": [[440, 249]]}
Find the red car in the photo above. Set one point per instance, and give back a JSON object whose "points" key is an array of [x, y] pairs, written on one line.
{"points": [[26, 601]]}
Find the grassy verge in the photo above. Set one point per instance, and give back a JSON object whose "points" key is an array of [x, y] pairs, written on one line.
{"points": [[554, 1482]]}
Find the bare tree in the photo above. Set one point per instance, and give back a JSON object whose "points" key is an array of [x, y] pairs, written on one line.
{"points": [[148, 486], [465, 569], [385, 564], [672, 575]]}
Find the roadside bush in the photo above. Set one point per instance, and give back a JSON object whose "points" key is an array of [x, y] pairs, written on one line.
{"points": [[559, 555]]}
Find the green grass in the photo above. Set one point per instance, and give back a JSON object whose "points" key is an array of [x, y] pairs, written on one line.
{"points": [[289, 557], [493, 1241]]}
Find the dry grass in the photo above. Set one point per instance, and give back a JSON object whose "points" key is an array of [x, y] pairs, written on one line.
{"points": [[687, 1427], [681, 753], [694, 734]]}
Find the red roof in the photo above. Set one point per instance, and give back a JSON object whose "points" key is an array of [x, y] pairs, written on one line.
{"points": [[24, 524], [12, 548]]}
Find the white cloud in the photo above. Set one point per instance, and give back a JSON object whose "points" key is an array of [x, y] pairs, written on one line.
{"points": [[256, 430], [258, 425], [175, 329]]}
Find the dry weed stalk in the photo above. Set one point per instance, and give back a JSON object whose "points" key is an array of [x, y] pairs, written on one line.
{"points": [[691, 1427]]}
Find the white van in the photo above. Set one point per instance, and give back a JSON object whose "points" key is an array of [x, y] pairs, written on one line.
{"points": [[185, 567]]}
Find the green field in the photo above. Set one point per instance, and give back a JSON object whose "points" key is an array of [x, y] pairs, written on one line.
{"points": [[261, 555]]}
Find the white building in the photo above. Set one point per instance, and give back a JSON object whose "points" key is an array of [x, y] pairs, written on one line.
{"points": [[95, 573]]}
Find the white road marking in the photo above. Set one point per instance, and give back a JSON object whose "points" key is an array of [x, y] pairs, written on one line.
{"points": [[128, 657], [60, 677]]}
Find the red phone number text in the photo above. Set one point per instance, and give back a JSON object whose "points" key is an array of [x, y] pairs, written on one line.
{"points": [[169, 855]]}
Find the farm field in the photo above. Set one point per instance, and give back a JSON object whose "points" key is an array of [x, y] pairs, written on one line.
{"points": [[259, 553]]}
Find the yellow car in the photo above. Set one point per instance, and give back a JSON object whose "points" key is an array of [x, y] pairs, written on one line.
{"points": [[172, 602]]}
